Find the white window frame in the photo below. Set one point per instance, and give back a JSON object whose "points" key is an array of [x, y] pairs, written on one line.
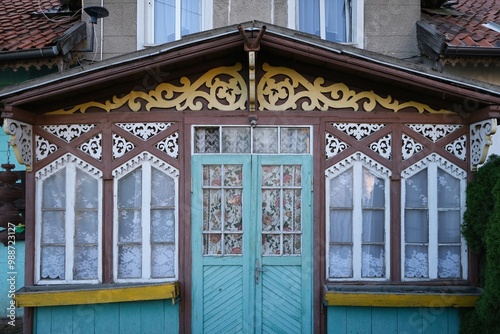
{"points": [[70, 163], [146, 161], [432, 163], [357, 24], [146, 22], [357, 162]]}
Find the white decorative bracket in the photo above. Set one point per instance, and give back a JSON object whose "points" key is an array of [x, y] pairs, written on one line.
{"points": [[21, 141], [480, 141]]}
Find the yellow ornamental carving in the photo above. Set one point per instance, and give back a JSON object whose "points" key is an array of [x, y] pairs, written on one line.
{"points": [[225, 90], [283, 94]]}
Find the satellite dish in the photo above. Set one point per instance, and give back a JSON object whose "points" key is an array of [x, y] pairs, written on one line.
{"points": [[96, 12]]}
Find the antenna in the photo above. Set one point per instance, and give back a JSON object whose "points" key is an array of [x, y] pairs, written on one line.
{"points": [[96, 12]]}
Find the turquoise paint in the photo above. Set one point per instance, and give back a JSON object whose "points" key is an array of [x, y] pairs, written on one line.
{"points": [[6, 275], [4, 148], [134, 317], [224, 289], [407, 320]]}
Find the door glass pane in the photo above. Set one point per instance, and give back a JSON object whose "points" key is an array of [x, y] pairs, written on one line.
{"points": [[294, 140], [236, 140], [233, 218], [233, 243], [265, 140], [271, 210]]}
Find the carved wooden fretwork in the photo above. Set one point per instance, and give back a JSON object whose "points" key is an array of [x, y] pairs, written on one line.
{"points": [[21, 141], [222, 88], [93, 147], [121, 146], [445, 164], [170, 145], [458, 147], [56, 165], [281, 88], [333, 145], [434, 132], [480, 141], [68, 132], [346, 163], [44, 148], [358, 130], [383, 146], [144, 131], [139, 159], [410, 146]]}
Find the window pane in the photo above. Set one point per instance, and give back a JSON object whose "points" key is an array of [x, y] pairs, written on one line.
{"points": [[271, 210], [54, 191], [206, 140], [236, 140], [233, 175], [86, 229], [292, 175], [416, 226], [335, 17], [292, 210], [340, 226], [212, 175], [373, 226], [53, 227], [340, 261], [373, 261], [295, 140], [164, 21], [233, 217], [129, 226], [449, 262], [416, 261], [129, 261], [416, 190], [162, 189], [190, 16], [212, 210], [52, 262], [449, 226], [271, 244], [162, 225], [265, 140], [448, 190], [129, 190], [341, 190], [373, 190], [212, 244], [233, 244], [292, 244], [86, 191], [309, 16], [162, 261], [85, 262]]}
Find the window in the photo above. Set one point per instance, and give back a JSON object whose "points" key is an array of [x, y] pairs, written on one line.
{"points": [[433, 197], [162, 21], [69, 220], [145, 221], [358, 220], [333, 20]]}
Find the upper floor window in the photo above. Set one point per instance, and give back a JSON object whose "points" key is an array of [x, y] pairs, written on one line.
{"points": [[164, 21], [68, 216], [333, 20], [433, 197]]}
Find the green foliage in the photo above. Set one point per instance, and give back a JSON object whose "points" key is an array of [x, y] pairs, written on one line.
{"points": [[481, 229]]}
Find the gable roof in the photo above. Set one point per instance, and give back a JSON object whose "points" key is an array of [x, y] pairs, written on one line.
{"points": [[460, 30], [222, 46], [37, 29]]}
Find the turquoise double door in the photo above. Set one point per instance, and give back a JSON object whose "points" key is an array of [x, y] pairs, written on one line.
{"points": [[252, 244]]}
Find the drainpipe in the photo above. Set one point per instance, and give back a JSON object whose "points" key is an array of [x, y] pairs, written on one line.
{"points": [[49, 51]]}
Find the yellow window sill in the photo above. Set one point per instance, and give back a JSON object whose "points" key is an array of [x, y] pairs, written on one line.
{"points": [[401, 296], [80, 295]]}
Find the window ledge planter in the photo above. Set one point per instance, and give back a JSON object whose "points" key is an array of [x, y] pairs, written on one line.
{"points": [[35, 296], [400, 296]]}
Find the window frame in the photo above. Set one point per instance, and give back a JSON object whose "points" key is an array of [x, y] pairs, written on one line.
{"points": [[357, 162], [356, 24], [432, 163], [146, 21], [145, 159], [69, 163]]}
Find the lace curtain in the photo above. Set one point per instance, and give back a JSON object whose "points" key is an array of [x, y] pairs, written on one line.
{"points": [[165, 14], [342, 210]]}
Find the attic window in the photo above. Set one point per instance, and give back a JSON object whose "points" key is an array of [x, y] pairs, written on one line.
{"points": [[493, 26]]}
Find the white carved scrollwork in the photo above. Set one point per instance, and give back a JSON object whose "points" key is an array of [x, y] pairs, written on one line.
{"points": [[434, 132], [144, 131], [21, 140], [121, 146], [480, 140], [44, 148], [444, 164], [333, 145], [458, 147], [358, 130], [170, 145], [383, 146], [62, 161], [410, 147], [145, 156], [346, 163], [68, 132], [93, 147]]}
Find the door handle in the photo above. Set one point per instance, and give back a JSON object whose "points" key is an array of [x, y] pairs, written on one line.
{"points": [[258, 270]]}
